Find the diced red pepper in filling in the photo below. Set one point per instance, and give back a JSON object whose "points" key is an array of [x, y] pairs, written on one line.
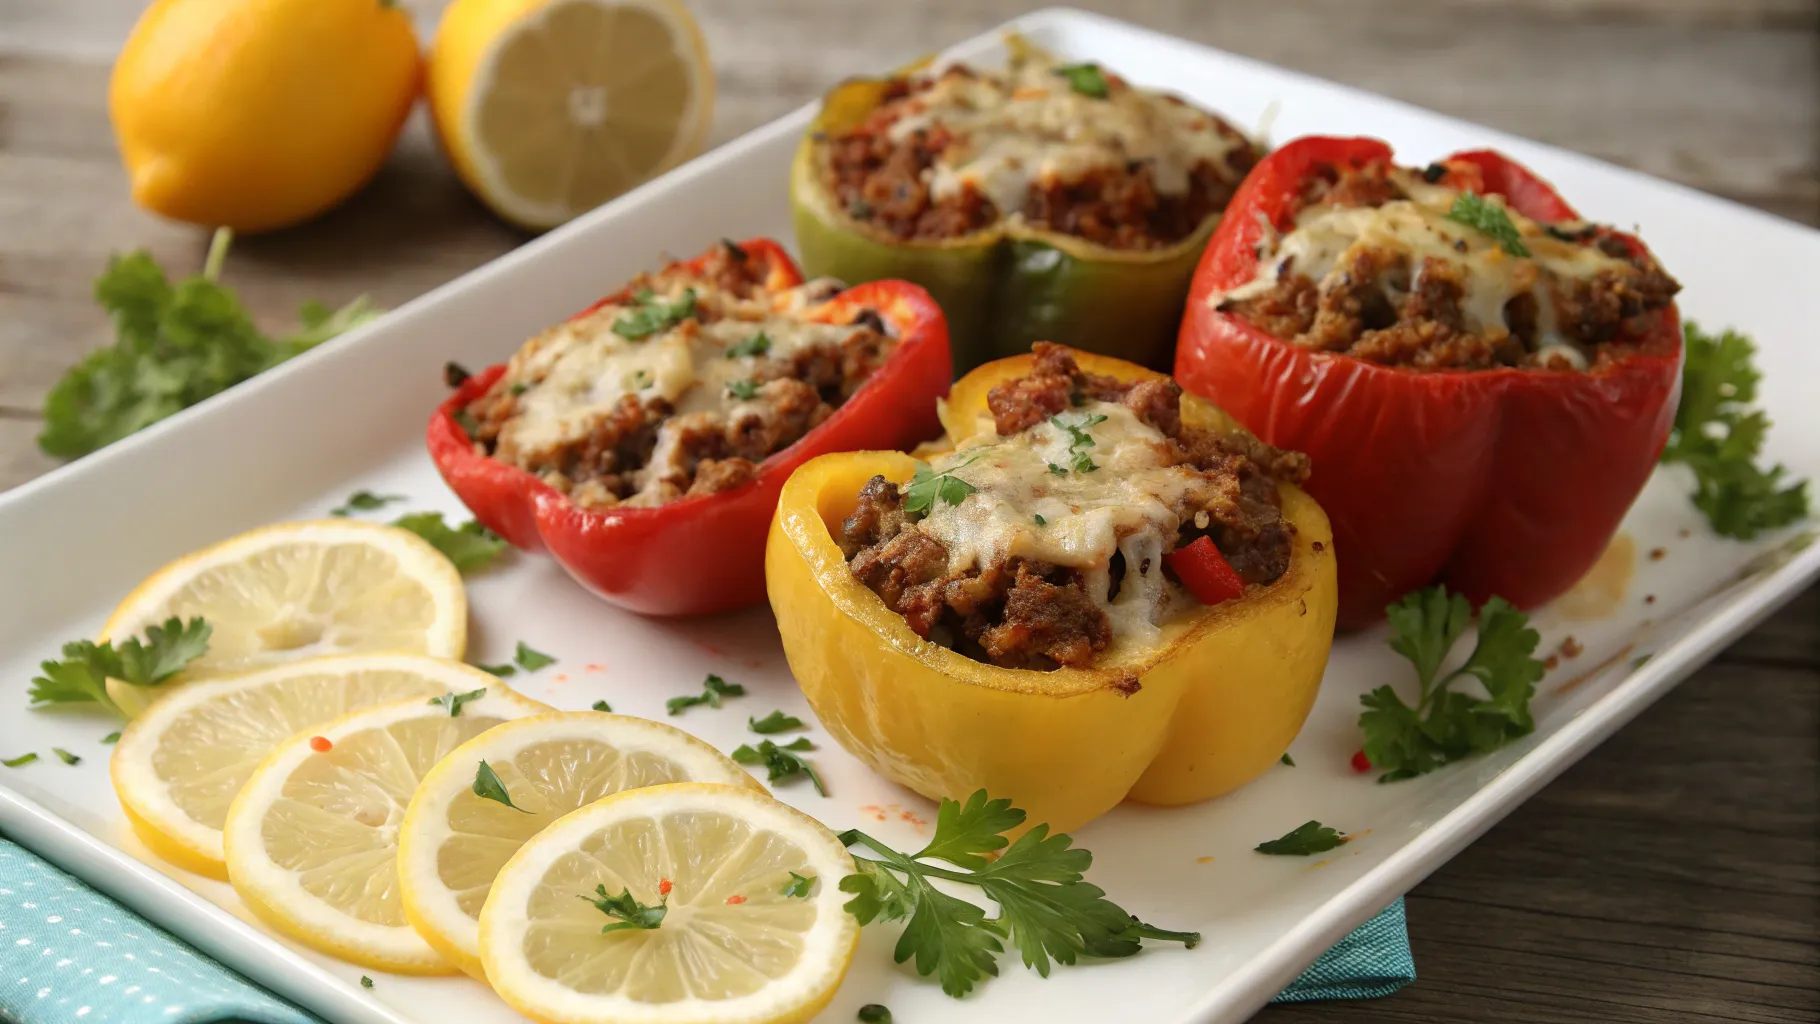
{"points": [[1205, 572]]}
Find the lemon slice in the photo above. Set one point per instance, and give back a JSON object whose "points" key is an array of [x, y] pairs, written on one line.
{"points": [[453, 842], [549, 108], [312, 839], [732, 946], [179, 765], [300, 590]]}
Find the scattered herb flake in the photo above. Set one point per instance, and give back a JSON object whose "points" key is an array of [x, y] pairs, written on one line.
{"points": [[86, 666], [454, 701], [651, 314], [365, 501], [797, 887], [111, 738], [469, 546], [776, 721], [779, 761], [366, 982], [1488, 218], [874, 1013], [756, 345], [21, 760], [630, 912], [1040, 521], [65, 756], [1286, 759], [1306, 840], [601, 705], [713, 689], [744, 390], [1086, 79], [859, 209], [488, 787], [530, 658], [926, 487], [502, 671]]}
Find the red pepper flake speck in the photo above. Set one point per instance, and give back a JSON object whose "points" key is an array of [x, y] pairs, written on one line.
{"points": [[1657, 554], [664, 885], [736, 900], [560, 677], [1361, 763], [594, 667], [321, 744], [1571, 647], [1649, 599]]}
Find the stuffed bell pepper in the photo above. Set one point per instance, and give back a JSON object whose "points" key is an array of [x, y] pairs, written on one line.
{"points": [[1045, 201], [1483, 380], [643, 442], [1106, 589]]}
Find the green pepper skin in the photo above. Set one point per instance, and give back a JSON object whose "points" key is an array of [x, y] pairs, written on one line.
{"points": [[1007, 285]]}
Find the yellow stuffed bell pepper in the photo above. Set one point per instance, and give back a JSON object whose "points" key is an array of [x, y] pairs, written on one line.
{"points": [[1219, 694]]}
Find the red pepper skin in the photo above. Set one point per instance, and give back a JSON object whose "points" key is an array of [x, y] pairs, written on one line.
{"points": [[704, 554], [1205, 572], [1506, 481]]}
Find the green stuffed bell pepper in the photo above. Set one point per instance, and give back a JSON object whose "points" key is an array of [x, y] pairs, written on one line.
{"points": [[1048, 201]]}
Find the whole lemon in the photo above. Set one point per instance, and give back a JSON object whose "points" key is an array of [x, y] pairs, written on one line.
{"points": [[256, 114]]}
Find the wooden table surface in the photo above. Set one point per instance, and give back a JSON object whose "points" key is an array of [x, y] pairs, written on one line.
{"points": [[1674, 875]]}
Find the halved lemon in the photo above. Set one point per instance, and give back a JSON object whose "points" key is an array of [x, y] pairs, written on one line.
{"points": [[312, 839], [734, 944], [453, 842], [300, 590], [180, 764], [548, 108]]}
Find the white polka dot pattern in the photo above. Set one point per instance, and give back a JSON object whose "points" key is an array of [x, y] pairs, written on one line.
{"points": [[68, 953]]}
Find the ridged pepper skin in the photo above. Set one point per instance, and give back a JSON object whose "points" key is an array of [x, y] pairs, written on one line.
{"points": [[1007, 285], [1216, 701], [1506, 482], [704, 554]]}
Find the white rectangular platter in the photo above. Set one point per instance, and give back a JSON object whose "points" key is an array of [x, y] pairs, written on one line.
{"points": [[294, 443]]}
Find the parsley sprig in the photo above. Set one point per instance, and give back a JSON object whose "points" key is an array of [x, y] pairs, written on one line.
{"points": [[1447, 724], [651, 314], [469, 546], [776, 721], [926, 487], [82, 675], [1719, 435], [756, 345], [781, 763], [488, 786], [713, 689], [1079, 440], [1086, 79], [630, 913], [1305, 840], [454, 701], [1488, 218], [1046, 907]]}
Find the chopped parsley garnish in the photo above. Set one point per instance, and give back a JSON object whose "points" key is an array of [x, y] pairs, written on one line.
{"points": [[1445, 724], [797, 887], [874, 1013], [601, 705], [1286, 759], [1488, 218], [519, 388], [530, 658], [365, 501], [465, 420], [1079, 440], [1306, 840], [86, 666], [469, 546], [65, 756], [454, 701], [780, 763], [926, 487], [21, 761], [652, 314], [1040, 521], [502, 671], [1718, 434], [630, 912], [713, 689], [1086, 79], [744, 390], [756, 345], [488, 787], [111, 738], [776, 721], [1058, 470], [1046, 908], [366, 982], [734, 250]]}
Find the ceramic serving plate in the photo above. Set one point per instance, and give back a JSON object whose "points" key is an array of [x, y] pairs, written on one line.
{"points": [[293, 443]]}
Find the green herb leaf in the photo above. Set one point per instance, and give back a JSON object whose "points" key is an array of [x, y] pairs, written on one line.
{"points": [[1445, 724], [601, 705], [630, 912], [110, 738], [530, 658], [797, 887], [1305, 840], [1719, 434], [65, 756], [874, 1013], [1286, 759], [502, 671], [82, 674], [713, 689], [1079, 440], [1040, 521], [366, 982], [744, 390], [756, 345], [365, 501], [859, 209], [488, 787], [780, 763], [1047, 909], [776, 721], [1086, 79], [469, 546], [1488, 218], [20, 761], [926, 487], [651, 314], [454, 701]]}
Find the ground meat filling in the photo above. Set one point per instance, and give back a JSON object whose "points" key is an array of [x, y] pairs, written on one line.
{"points": [[893, 180], [1019, 612], [649, 446], [1584, 295]]}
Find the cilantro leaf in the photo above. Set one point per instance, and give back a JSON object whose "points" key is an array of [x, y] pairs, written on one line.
{"points": [[469, 546], [756, 345], [502, 671], [926, 487], [1047, 909], [530, 658], [365, 501], [82, 674], [713, 689], [651, 314], [1488, 218], [1445, 724], [1086, 79], [630, 913], [487, 786], [776, 721], [1305, 840], [454, 701], [1719, 435], [797, 887], [780, 763]]}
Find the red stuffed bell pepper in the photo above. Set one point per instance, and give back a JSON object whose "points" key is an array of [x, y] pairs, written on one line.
{"points": [[643, 442], [1482, 381]]}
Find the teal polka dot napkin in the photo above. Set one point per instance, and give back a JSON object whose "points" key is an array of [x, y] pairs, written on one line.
{"points": [[69, 955]]}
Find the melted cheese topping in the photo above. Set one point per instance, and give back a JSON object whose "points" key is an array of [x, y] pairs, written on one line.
{"points": [[1128, 504], [1325, 238], [1026, 126], [575, 374]]}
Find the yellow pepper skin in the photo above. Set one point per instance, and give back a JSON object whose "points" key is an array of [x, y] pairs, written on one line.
{"points": [[1217, 701]]}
